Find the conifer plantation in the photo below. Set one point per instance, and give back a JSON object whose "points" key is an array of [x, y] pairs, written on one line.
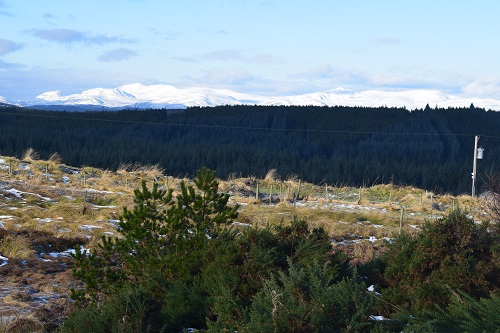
{"points": [[355, 146]]}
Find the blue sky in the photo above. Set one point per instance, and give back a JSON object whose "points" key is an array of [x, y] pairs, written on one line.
{"points": [[267, 47]]}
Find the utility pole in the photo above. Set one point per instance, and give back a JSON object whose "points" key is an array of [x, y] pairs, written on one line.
{"points": [[476, 139]]}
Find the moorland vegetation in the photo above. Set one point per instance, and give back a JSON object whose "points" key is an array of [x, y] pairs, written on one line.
{"points": [[178, 266], [248, 255]]}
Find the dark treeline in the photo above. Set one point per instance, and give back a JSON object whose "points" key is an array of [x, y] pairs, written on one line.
{"points": [[429, 148]]}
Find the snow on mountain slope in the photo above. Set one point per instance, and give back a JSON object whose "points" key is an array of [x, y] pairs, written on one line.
{"points": [[166, 96]]}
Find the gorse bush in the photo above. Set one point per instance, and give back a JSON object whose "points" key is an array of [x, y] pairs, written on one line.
{"points": [[129, 310], [310, 300], [450, 254], [464, 314], [180, 264]]}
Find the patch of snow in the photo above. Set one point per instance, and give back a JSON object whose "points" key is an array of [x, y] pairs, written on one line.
{"points": [[241, 224], [372, 290], [5, 260], [111, 207], [6, 217], [68, 252], [18, 194], [15, 192], [45, 220], [378, 318], [89, 227], [388, 239]]}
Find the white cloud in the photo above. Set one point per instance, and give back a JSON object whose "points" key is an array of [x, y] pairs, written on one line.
{"points": [[3, 12], [483, 87], [23, 83], [7, 46], [117, 55], [224, 55], [69, 36], [8, 65], [191, 60], [243, 56]]}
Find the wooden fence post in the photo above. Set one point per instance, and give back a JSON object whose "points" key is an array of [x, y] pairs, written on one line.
{"points": [[271, 195], [401, 219]]}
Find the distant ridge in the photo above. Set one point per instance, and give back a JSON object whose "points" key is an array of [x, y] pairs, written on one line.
{"points": [[139, 96]]}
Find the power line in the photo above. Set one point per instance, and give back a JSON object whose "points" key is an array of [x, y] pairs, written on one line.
{"points": [[244, 127]]}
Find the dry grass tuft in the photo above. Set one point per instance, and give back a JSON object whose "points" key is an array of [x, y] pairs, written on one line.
{"points": [[55, 159], [30, 155], [23, 324], [271, 176], [18, 299], [16, 248]]}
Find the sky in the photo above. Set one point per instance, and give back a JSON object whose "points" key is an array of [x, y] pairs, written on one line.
{"points": [[265, 47]]}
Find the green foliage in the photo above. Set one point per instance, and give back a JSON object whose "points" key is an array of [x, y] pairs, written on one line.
{"points": [[162, 237], [452, 253], [307, 299], [185, 304], [130, 310], [177, 266], [240, 265], [464, 314]]}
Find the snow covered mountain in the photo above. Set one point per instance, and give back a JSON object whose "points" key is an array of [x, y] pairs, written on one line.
{"points": [[167, 96]]}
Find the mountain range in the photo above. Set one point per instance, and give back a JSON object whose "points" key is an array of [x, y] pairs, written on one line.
{"points": [[166, 96]]}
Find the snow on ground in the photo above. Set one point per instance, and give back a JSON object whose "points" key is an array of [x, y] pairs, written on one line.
{"points": [[372, 290], [241, 224], [110, 207], [89, 227], [45, 220], [68, 252], [4, 259], [19, 194]]}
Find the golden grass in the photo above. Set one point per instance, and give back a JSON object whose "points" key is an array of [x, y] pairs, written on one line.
{"points": [[22, 324], [271, 176], [55, 159], [30, 155], [16, 247], [67, 213]]}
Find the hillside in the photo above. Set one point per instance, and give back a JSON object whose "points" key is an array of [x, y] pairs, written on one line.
{"points": [[169, 97], [48, 208], [426, 148]]}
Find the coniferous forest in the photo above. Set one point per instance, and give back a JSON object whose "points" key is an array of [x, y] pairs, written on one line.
{"points": [[430, 148]]}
